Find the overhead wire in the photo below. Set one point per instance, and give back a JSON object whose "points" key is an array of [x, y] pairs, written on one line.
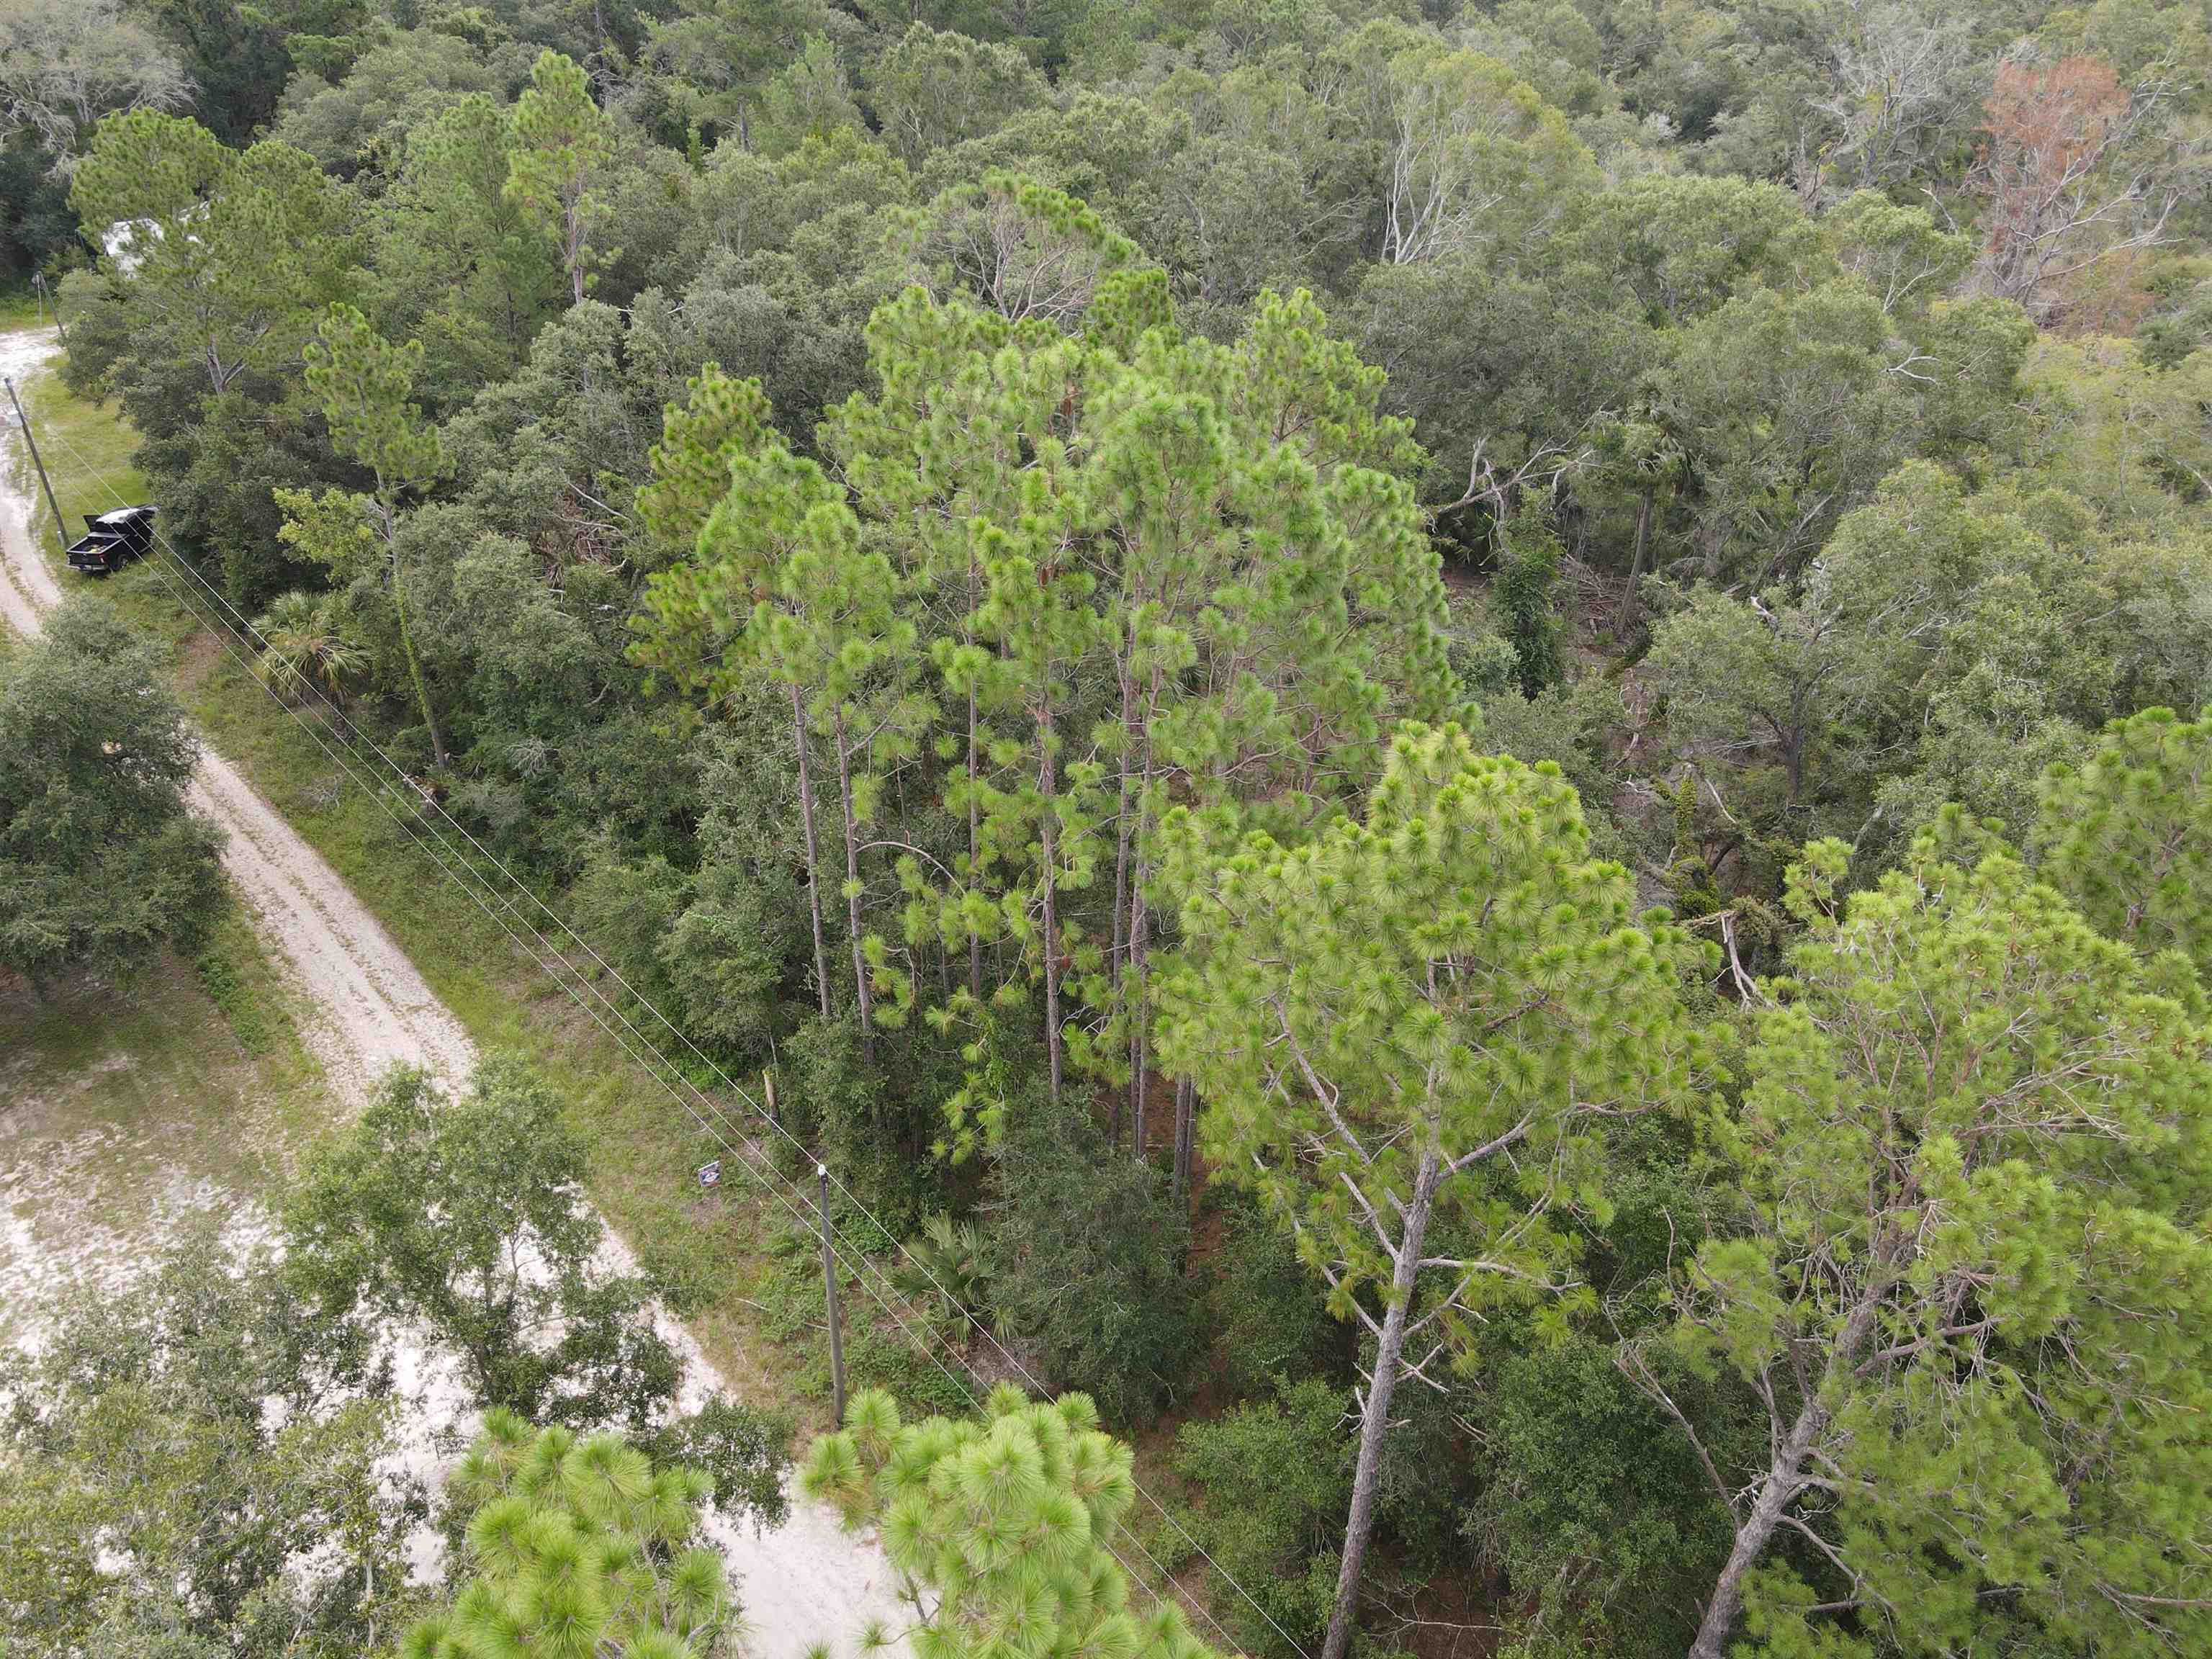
{"points": [[751, 1160], [857, 1261]]}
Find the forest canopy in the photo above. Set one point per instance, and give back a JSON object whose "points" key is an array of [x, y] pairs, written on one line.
{"points": [[1466, 739]]}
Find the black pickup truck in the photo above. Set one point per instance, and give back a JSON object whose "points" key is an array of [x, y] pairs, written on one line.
{"points": [[111, 540]]}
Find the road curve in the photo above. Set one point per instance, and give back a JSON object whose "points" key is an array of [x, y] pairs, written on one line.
{"points": [[807, 1582]]}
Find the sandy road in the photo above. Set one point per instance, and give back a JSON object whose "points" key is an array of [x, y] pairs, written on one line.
{"points": [[804, 1583], [373, 1007]]}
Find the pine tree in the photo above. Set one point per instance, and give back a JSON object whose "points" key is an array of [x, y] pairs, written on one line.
{"points": [[364, 380], [237, 250], [2128, 834], [833, 628], [1149, 568], [1408, 1033], [782, 587], [1965, 1270], [721, 422], [1002, 1530], [578, 1549], [460, 253], [563, 140]]}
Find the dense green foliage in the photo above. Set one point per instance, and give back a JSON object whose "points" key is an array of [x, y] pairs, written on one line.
{"points": [[167, 1450], [1003, 1531], [2122, 834], [101, 862], [577, 1546], [1141, 601], [1276, 1475], [1967, 1274], [1433, 1012], [464, 1216]]}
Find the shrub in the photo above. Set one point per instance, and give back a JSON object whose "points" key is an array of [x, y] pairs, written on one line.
{"points": [[1272, 1319], [1085, 1257], [1277, 1477]]}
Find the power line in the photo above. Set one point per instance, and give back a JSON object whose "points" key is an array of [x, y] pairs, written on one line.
{"points": [[751, 1159], [417, 798], [856, 1260]]}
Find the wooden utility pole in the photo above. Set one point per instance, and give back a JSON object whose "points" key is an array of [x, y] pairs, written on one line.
{"points": [[24, 421], [829, 1300]]}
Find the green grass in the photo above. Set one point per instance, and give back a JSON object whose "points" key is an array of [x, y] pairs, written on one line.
{"points": [[20, 308], [88, 451], [642, 1146]]}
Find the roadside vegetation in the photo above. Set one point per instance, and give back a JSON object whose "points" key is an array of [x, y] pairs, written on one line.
{"points": [[1449, 752]]}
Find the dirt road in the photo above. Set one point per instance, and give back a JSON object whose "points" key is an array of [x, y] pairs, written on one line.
{"points": [[373, 1008], [807, 1582]]}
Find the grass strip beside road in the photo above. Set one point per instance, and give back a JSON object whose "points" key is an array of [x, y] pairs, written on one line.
{"points": [[748, 1288], [738, 1283], [83, 444]]}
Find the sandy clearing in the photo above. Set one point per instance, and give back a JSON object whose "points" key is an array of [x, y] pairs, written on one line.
{"points": [[804, 1583]]}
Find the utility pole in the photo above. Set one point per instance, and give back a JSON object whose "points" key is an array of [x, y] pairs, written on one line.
{"points": [[24, 421], [829, 1299]]}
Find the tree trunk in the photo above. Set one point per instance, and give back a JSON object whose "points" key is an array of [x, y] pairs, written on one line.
{"points": [[1185, 1135], [1375, 1420], [1122, 831], [1138, 1000], [975, 853], [573, 248], [1137, 1096], [1048, 832], [814, 851], [407, 648], [1784, 1477], [1117, 958], [853, 890], [1135, 997], [1776, 1493], [1627, 616]]}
